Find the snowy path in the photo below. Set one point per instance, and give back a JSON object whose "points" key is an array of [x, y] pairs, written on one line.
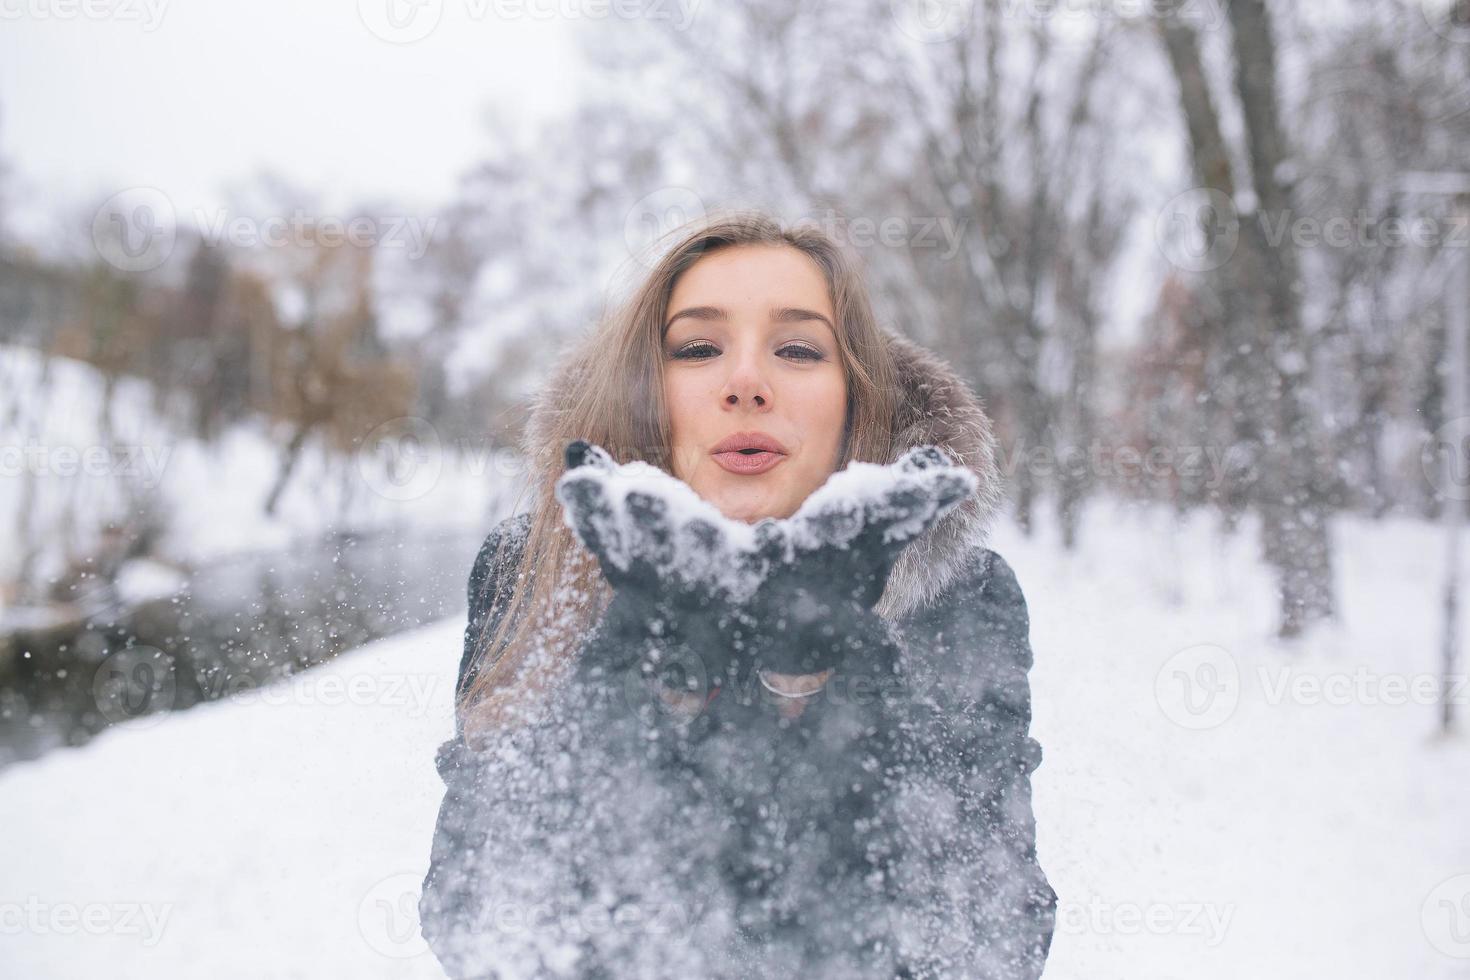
{"points": [[1297, 835], [267, 833], [1252, 835]]}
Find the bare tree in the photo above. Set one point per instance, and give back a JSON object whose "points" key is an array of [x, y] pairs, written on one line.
{"points": [[1264, 375], [333, 376]]}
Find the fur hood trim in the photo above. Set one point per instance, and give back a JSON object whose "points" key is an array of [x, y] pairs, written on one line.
{"points": [[935, 408]]}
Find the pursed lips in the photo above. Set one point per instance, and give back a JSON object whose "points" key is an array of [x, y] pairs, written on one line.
{"points": [[749, 460]]}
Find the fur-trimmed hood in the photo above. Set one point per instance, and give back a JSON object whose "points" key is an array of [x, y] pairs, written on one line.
{"points": [[936, 408]]}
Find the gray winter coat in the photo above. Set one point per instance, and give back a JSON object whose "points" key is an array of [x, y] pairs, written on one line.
{"points": [[964, 627]]}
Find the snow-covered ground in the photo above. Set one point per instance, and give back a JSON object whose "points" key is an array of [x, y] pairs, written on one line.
{"points": [[1213, 804], [1210, 804]]}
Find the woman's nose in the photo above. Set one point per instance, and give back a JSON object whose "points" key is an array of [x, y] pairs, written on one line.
{"points": [[747, 383]]}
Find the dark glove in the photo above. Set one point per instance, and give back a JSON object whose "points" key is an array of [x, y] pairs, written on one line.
{"points": [[675, 569], [813, 609], [707, 599]]}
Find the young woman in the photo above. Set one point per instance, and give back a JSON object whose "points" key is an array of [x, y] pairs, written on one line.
{"points": [[812, 826]]}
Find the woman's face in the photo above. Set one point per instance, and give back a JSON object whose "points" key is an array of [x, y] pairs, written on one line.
{"points": [[750, 348]]}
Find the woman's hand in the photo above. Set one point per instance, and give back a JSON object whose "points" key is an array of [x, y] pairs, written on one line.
{"points": [[792, 598], [674, 564], [829, 563]]}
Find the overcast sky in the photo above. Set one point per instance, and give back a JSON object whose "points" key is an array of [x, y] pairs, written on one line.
{"points": [[189, 96]]}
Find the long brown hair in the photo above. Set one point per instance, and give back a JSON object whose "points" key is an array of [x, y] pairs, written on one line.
{"points": [[609, 390]]}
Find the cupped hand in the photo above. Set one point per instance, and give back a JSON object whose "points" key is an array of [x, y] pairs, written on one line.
{"points": [[828, 564], [792, 598]]}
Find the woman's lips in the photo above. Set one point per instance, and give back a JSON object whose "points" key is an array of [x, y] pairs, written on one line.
{"points": [[748, 464]]}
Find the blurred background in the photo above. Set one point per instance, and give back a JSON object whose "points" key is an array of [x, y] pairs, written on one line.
{"points": [[278, 280]]}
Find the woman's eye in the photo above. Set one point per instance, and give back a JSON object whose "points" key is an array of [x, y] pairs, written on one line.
{"points": [[702, 350], [803, 352], [692, 351]]}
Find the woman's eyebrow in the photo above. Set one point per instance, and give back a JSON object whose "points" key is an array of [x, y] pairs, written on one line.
{"points": [[698, 313], [795, 314], [785, 314]]}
